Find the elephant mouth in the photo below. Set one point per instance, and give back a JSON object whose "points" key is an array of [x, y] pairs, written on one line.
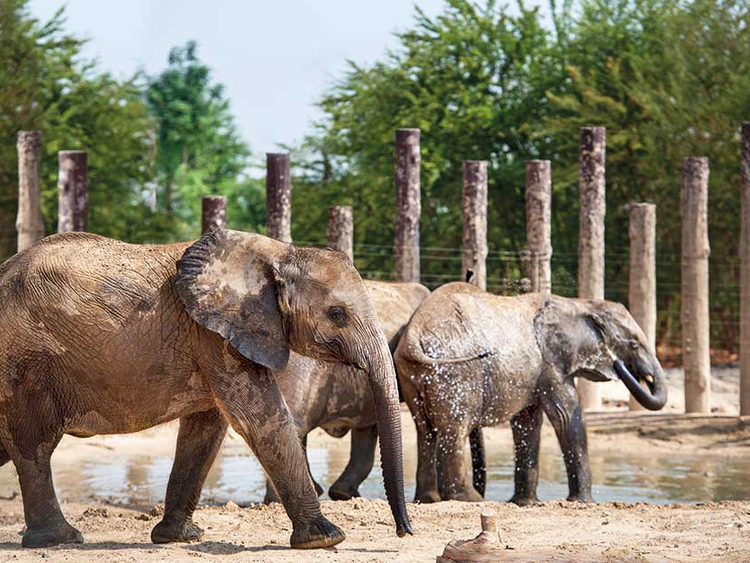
{"points": [[643, 386]]}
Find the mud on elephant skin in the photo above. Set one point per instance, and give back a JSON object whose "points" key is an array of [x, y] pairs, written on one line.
{"points": [[470, 359], [103, 337], [338, 398]]}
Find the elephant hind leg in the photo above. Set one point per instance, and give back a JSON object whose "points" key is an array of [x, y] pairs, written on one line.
{"points": [[478, 460], [361, 460], [527, 428], [198, 442]]}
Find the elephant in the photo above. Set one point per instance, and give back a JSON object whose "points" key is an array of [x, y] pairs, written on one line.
{"points": [[103, 337], [337, 398], [469, 359]]}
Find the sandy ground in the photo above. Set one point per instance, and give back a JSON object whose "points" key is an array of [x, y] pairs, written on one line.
{"points": [[552, 531]]}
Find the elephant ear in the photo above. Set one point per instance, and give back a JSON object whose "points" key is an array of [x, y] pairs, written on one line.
{"points": [[563, 333], [229, 286]]}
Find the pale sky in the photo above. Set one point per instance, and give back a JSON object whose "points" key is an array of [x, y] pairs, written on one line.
{"points": [[275, 58]]}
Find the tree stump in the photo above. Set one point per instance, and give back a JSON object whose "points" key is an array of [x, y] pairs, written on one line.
{"points": [[485, 548]]}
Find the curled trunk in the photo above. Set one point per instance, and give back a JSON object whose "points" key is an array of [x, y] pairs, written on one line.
{"points": [[653, 396]]}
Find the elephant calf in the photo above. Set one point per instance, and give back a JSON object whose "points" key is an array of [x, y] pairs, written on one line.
{"points": [[470, 359], [338, 398], [102, 337]]}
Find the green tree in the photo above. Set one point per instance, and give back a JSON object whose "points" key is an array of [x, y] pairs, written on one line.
{"points": [[46, 85], [199, 150]]}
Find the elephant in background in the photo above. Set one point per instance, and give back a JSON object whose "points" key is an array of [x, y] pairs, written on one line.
{"points": [[103, 337], [470, 359], [338, 398]]}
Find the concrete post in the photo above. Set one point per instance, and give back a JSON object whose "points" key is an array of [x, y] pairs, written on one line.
{"points": [[340, 230], [591, 158], [213, 213], [278, 197], [745, 275], [408, 205], [538, 225], [642, 279], [474, 204], [72, 191], [694, 317], [29, 222]]}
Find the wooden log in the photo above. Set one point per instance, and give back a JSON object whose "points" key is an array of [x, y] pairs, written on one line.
{"points": [[278, 197], [408, 205], [591, 184], [72, 191], [745, 275], [538, 254], [340, 230], [642, 275], [694, 315], [484, 548], [29, 222], [474, 204], [213, 212]]}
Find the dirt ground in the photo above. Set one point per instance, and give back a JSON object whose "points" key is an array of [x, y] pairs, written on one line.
{"points": [[552, 531]]}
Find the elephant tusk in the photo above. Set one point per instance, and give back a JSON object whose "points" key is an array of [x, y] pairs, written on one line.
{"points": [[650, 378]]}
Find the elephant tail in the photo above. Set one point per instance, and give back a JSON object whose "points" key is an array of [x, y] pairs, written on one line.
{"points": [[478, 460]]}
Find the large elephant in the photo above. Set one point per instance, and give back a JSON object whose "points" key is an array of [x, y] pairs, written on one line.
{"points": [[338, 398], [103, 337], [470, 359]]}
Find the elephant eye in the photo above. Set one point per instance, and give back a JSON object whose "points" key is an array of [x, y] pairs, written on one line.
{"points": [[337, 315]]}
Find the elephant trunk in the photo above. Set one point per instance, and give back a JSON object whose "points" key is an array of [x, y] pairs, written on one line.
{"points": [[382, 377], [653, 396]]}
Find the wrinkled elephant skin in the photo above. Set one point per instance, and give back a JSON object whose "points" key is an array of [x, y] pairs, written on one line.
{"points": [[469, 359], [338, 399], [103, 337]]}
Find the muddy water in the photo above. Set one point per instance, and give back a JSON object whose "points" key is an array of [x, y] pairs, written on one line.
{"points": [[135, 471]]}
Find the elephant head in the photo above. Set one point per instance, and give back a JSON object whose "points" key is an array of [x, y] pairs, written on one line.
{"points": [[266, 297], [601, 341]]}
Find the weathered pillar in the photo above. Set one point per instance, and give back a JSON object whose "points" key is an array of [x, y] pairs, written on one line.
{"points": [[340, 230], [278, 197], [694, 318], [29, 222], [474, 203], [745, 275], [591, 157], [538, 225], [213, 212], [408, 205], [72, 192], [642, 280]]}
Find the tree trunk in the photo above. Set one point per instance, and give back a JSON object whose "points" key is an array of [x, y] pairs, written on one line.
{"points": [[745, 275], [213, 213], [278, 197], [72, 192], [642, 280], [408, 205], [29, 223], [340, 230], [591, 185], [474, 203], [694, 318], [538, 225]]}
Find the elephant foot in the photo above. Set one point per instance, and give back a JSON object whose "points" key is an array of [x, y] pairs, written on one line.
{"points": [[316, 534], [171, 531], [524, 500], [271, 496], [581, 497], [341, 492], [51, 535], [427, 497]]}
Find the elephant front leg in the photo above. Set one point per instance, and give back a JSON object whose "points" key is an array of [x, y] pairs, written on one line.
{"points": [[456, 486], [271, 494], [527, 428], [361, 460], [256, 410], [560, 402], [198, 442]]}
